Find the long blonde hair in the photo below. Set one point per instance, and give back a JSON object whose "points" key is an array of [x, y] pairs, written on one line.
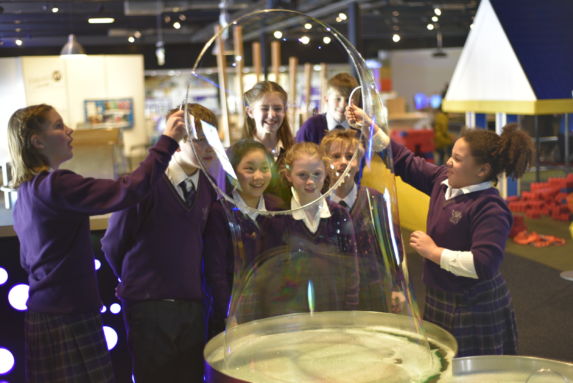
{"points": [[27, 161], [256, 93]]}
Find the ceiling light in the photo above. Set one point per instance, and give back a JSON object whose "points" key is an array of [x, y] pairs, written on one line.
{"points": [[101, 20], [304, 40], [438, 11], [395, 37], [435, 19], [277, 34], [131, 39], [55, 10], [342, 16], [430, 27], [137, 34], [395, 13], [326, 39], [182, 17], [308, 26], [18, 42], [177, 25], [72, 47]]}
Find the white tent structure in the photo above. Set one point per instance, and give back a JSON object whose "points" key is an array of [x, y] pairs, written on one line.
{"points": [[518, 59]]}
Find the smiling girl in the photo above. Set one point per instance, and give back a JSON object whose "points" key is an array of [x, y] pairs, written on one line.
{"points": [[227, 224], [319, 237], [63, 330], [467, 226], [266, 120]]}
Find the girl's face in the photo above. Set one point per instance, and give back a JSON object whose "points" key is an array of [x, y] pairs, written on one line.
{"points": [[254, 174], [307, 176], [340, 155], [55, 140], [268, 113], [462, 169]]}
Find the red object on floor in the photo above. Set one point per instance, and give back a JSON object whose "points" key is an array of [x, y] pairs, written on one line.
{"points": [[517, 226]]}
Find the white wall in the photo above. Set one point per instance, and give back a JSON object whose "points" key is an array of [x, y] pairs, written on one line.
{"points": [[66, 83], [12, 97], [417, 71]]}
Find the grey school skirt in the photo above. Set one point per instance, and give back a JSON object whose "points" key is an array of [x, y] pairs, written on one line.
{"points": [[66, 348], [481, 318]]}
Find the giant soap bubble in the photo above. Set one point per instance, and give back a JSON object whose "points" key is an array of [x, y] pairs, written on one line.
{"points": [[309, 290]]}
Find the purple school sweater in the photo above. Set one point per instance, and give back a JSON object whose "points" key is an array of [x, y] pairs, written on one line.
{"points": [[221, 251], [313, 129], [155, 247], [51, 219], [478, 222]]}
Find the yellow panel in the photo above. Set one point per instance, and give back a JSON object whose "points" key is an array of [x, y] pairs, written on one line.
{"points": [[510, 107], [412, 204]]}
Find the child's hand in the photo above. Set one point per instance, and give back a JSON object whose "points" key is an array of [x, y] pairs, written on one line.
{"points": [[175, 126], [425, 246]]}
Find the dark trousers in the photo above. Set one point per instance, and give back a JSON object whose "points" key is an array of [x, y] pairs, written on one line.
{"points": [[166, 340]]}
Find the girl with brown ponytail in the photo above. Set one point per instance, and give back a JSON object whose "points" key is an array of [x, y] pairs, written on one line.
{"points": [[467, 226]]}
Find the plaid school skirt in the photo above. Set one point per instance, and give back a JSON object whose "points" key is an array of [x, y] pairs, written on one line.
{"points": [[481, 318], [66, 348]]}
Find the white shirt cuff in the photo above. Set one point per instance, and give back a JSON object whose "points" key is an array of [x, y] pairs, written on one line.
{"points": [[460, 263], [380, 141]]}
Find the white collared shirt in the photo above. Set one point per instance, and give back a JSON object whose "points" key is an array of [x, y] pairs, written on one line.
{"points": [[176, 175], [311, 221], [242, 206], [350, 198], [331, 123], [460, 263], [453, 192]]}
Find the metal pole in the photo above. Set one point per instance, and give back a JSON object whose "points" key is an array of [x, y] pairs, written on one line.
{"points": [[537, 148]]}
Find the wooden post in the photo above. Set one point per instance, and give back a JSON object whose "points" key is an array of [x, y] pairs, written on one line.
{"points": [[222, 69], [323, 82], [306, 113], [240, 64], [257, 60], [293, 109], [276, 59]]}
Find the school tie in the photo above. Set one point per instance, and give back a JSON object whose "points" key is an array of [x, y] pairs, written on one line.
{"points": [[188, 190], [343, 204]]}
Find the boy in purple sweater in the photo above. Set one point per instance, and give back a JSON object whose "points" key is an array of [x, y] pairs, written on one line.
{"points": [[155, 249], [468, 224], [338, 89], [63, 330]]}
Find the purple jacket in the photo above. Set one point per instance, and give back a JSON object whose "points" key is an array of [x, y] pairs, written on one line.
{"points": [[155, 247], [51, 218], [478, 222], [221, 251], [313, 129]]}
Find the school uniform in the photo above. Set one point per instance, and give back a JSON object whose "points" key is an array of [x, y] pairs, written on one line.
{"points": [[228, 224], [314, 268], [316, 127], [474, 304], [63, 332], [155, 249], [375, 277]]}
